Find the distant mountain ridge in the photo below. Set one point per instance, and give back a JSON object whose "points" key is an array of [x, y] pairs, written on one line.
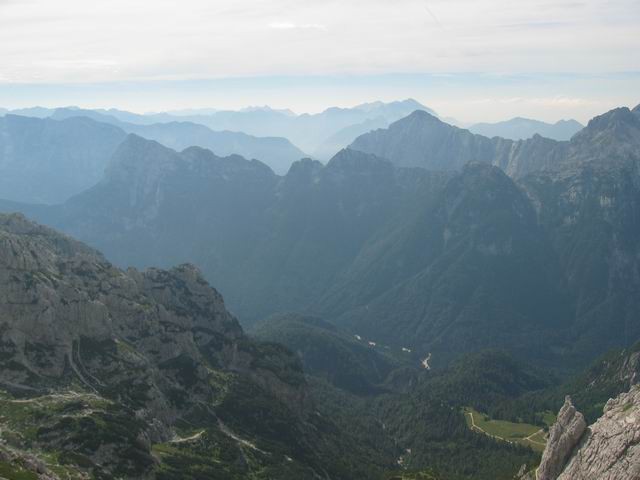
{"points": [[523, 128], [422, 140], [317, 134], [276, 152], [47, 161]]}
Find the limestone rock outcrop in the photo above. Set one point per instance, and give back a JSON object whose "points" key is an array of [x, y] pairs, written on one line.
{"points": [[607, 450], [610, 449], [563, 437]]}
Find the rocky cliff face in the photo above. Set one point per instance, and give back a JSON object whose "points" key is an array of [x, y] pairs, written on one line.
{"points": [[608, 450], [563, 437], [98, 365]]}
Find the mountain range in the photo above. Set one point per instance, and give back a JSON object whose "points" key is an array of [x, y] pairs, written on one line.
{"points": [[321, 135], [522, 128], [422, 140], [48, 160], [439, 262], [424, 285], [277, 152]]}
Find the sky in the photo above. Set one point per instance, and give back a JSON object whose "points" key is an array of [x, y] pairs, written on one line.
{"points": [[469, 59]]}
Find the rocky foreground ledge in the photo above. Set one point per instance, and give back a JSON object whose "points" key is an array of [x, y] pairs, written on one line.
{"points": [[607, 450]]}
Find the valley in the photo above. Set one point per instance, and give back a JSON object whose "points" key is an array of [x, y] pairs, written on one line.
{"points": [[303, 240], [394, 319], [523, 433]]}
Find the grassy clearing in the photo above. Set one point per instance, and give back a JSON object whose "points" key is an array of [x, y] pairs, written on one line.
{"points": [[523, 433], [413, 476], [15, 472]]}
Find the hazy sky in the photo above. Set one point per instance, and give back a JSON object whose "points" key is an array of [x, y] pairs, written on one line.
{"points": [[472, 59]]}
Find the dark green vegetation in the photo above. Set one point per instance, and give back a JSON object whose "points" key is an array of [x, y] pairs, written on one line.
{"points": [[607, 377], [408, 414], [328, 353], [418, 416]]}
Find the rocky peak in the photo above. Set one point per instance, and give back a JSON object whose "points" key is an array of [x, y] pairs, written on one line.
{"points": [[611, 447], [354, 162], [608, 449], [482, 188], [58, 297], [612, 119], [616, 130], [205, 160], [141, 159], [563, 438]]}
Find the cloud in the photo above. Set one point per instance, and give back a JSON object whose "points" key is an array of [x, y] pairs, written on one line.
{"points": [[295, 26], [231, 38], [562, 101]]}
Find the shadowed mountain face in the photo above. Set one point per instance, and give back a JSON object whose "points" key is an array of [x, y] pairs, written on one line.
{"points": [[286, 236], [523, 128], [277, 152], [46, 161], [474, 270]]}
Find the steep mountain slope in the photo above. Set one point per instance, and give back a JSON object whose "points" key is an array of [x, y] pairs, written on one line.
{"points": [[326, 352], [442, 263], [608, 449], [422, 140], [478, 272], [269, 243], [523, 128], [46, 161], [277, 152], [591, 211], [145, 374]]}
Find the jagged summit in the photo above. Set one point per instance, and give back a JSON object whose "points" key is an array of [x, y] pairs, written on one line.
{"points": [[421, 115], [612, 119], [348, 158]]}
